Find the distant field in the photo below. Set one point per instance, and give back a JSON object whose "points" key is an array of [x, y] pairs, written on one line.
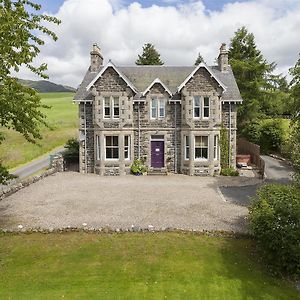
{"points": [[134, 266], [62, 116]]}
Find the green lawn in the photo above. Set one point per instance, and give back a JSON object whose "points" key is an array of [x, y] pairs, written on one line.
{"points": [[134, 266], [62, 116]]}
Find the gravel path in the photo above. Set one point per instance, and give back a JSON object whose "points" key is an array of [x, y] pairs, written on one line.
{"points": [[71, 199]]}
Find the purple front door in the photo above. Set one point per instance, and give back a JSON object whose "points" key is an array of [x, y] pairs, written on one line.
{"points": [[157, 154]]}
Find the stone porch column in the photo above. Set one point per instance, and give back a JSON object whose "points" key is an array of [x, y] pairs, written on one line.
{"points": [[102, 154], [192, 153]]}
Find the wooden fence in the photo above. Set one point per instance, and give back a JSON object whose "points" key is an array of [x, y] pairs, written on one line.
{"points": [[245, 147]]}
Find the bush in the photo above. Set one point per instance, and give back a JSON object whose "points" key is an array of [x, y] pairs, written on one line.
{"points": [[269, 134], [275, 224], [138, 167], [71, 154], [229, 172]]}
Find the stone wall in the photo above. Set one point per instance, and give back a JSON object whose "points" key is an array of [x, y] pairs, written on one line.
{"points": [[226, 118]]}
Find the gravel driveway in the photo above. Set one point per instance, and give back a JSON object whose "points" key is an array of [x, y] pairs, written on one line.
{"points": [[71, 199]]}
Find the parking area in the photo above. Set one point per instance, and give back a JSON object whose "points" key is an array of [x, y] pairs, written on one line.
{"points": [[77, 200]]}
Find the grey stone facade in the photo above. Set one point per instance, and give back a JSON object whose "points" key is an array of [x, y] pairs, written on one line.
{"points": [[119, 121]]}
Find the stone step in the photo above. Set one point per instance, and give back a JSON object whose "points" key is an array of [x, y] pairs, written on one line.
{"points": [[157, 172]]}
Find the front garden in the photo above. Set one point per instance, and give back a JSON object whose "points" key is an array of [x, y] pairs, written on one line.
{"points": [[82, 265]]}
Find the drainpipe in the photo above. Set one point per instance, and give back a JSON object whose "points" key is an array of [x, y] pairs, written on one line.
{"points": [[85, 144], [229, 150], [139, 132], [175, 140]]}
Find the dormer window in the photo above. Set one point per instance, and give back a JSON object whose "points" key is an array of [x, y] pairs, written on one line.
{"points": [[111, 108], [158, 108], [201, 107]]}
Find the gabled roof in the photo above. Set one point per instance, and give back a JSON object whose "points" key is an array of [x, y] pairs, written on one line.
{"points": [[111, 65], [157, 80], [201, 65], [172, 76]]}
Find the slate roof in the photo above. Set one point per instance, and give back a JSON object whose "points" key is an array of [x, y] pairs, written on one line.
{"points": [[172, 76]]}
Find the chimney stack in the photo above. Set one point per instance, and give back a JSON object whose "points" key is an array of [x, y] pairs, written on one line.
{"points": [[96, 58], [223, 58]]}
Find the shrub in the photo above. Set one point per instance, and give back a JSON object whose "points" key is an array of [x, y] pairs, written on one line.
{"points": [[229, 172], [71, 154], [138, 167], [268, 133], [275, 224]]}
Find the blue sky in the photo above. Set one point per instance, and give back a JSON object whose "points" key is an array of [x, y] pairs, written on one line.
{"points": [[53, 5], [178, 34]]}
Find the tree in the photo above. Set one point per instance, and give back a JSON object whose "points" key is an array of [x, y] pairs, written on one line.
{"points": [[295, 136], [251, 71], [21, 28], [150, 56], [199, 60]]}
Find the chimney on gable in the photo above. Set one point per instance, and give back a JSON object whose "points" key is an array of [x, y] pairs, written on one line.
{"points": [[96, 58], [223, 58]]}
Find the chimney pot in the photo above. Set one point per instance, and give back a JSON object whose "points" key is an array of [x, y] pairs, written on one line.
{"points": [[223, 58], [96, 58]]}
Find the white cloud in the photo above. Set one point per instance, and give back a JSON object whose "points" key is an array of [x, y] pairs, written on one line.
{"points": [[179, 33]]}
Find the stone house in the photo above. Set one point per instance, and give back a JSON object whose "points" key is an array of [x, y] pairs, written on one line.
{"points": [[168, 116]]}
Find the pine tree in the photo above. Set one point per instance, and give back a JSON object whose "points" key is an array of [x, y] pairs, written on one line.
{"points": [[199, 60], [150, 56], [20, 106], [251, 71]]}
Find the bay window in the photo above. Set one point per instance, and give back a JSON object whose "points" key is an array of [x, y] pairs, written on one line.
{"points": [[112, 147], [216, 147], [127, 147], [186, 147], [201, 147]]}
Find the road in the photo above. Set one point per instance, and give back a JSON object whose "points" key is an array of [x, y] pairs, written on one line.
{"points": [[36, 165], [276, 171]]}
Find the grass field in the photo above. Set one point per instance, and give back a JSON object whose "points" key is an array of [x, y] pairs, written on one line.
{"points": [[134, 266], [63, 118]]}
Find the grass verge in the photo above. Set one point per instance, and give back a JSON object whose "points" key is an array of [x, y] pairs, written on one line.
{"points": [[62, 117], [134, 266]]}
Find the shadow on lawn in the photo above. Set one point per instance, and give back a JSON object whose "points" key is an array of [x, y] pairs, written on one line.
{"points": [[242, 266]]}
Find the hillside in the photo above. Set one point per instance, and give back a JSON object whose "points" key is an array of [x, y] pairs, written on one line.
{"points": [[45, 86]]}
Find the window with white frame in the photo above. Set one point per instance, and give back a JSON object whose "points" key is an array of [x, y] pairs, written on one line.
{"points": [[201, 107], [106, 107], [111, 147], [187, 147], [111, 107], [158, 108], [197, 106], [98, 149], [162, 108], [216, 147], [116, 107], [201, 147], [206, 107], [127, 147]]}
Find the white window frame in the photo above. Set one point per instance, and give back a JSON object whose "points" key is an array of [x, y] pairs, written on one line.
{"points": [[128, 147], [216, 147], [197, 107], [187, 147], [98, 149], [113, 106], [105, 106], [201, 159], [160, 104], [205, 107], [112, 147]]}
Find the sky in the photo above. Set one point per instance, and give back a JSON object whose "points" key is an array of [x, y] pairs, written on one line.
{"points": [[179, 29]]}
